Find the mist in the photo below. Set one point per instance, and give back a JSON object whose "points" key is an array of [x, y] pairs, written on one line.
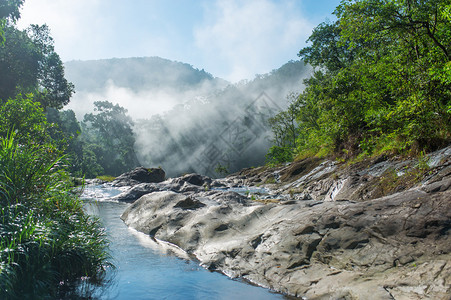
{"points": [[141, 104], [186, 120]]}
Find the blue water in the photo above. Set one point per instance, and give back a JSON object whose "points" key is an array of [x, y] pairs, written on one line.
{"points": [[149, 270]]}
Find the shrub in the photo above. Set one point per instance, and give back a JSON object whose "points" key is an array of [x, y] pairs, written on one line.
{"points": [[278, 154]]}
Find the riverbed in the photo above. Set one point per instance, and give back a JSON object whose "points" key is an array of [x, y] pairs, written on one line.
{"points": [[148, 269]]}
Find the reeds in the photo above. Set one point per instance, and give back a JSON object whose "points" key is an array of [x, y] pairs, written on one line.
{"points": [[48, 245]]}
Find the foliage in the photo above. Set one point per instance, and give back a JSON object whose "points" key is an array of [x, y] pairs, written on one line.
{"points": [[415, 42], [222, 169], [109, 130], [9, 12], [279, 154], [285, 131], [19, 62], [67, 129], [57, 129], [26, 118], [382, 80], [103, 144], [53, 88], [106, 178], [48, 244], [49, 247], [33, 88], [10, 9], [29, 64]]}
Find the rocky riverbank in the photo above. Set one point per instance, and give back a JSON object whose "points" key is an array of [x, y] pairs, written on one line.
{"points": [[319, 229]]}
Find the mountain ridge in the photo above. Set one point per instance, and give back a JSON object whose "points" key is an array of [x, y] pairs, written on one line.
{"points": [[93, 75]]}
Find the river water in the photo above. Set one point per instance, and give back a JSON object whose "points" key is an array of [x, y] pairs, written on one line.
{"points": [[146, 269]]}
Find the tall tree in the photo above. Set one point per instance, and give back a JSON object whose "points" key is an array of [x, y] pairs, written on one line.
{"points": [[52, 87], [409, 56], [382, 79], [9, 12], [285, 132], [30, 64], [111, 128]]}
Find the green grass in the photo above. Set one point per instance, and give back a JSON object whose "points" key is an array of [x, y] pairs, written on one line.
{"points": [[107, 178], [48, 245]]}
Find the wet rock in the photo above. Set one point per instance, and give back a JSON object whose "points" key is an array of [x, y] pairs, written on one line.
{"points": [[196, 179], [136, 192], [140, 175]]}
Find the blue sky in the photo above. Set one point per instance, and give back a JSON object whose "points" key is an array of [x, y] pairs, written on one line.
{"points": [[232, 39]]}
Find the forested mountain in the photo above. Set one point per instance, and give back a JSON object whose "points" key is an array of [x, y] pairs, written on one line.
{"points": [[136, 74], [184, 119]]}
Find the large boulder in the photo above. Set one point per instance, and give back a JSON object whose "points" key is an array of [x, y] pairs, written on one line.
{"points": [[140, 175], [196, 179]]}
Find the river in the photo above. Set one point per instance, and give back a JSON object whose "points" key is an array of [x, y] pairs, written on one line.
{"points": [[146, 269]]}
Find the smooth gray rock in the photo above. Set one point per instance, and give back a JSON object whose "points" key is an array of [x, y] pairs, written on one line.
{"points": [[137, 191], [302, 250], [332, 237]]}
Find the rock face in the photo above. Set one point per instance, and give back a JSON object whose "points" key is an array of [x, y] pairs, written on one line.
{"points": [[140, 175], [323, 231], [196, 179]]}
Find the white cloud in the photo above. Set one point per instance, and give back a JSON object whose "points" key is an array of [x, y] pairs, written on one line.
{"points": [[98, 29], [248, 37], [79, 28]]}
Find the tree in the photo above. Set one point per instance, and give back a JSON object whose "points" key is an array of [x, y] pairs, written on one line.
{"points": [[53, 88], [49, 246], [29, 64], [331, 107], [285, 131], [422, 26], [111, 128], [9, 12], [19, 62], [382, 79], [326, 51], [410, 57]]}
